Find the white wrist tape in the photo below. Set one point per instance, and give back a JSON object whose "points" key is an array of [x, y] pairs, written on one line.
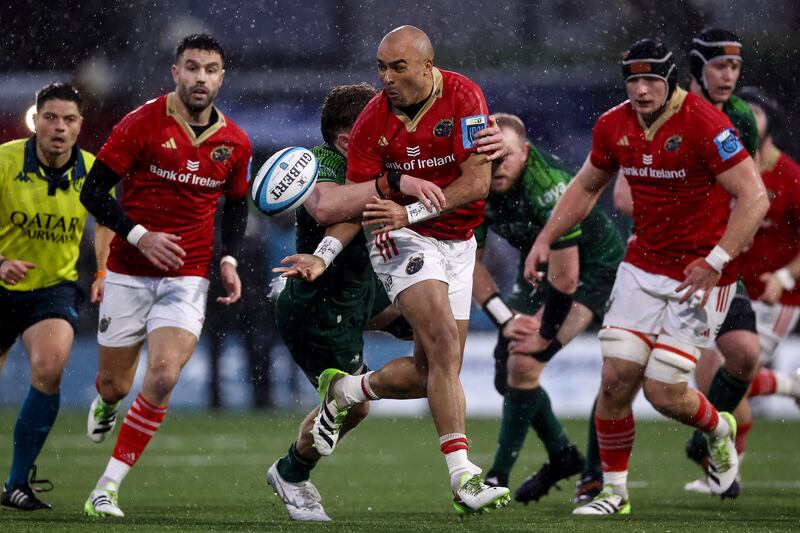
{"points": [[229, 259], [417, 212], [718, 258], [498, 311], [785, 277], [136, 234], [328, 249]]}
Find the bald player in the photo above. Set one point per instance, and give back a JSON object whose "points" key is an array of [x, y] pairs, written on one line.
{"points": [[421, 124]]}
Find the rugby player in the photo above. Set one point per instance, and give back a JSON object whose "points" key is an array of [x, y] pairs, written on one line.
{"points": [[671, 292], [421, 124], [176, 154], [41, 226], [580, 275]]}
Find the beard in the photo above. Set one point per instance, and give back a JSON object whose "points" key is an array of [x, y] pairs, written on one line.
{"points": [[185, 94]]}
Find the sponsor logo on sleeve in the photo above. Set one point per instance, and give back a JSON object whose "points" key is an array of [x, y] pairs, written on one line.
{"points": [[728, 144], [470, 126]]}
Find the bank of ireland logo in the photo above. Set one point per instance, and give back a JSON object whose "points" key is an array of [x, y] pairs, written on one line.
{"points": [[413, 151], [192, 166], [647, 159]]}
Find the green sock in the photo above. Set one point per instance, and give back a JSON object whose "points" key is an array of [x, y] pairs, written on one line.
{"points": [[518, 408], [294, 469], [726, 391], [546, 425], [592, 449]]}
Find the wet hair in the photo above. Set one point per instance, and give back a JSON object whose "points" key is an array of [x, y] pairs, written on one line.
{"points": [[512, 122], [199, 41], [58, 91], [341, 108]]}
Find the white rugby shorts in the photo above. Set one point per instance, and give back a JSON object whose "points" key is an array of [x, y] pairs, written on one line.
{"points": [[647, 303], [773, 323], [402, 258], [133, 306]]}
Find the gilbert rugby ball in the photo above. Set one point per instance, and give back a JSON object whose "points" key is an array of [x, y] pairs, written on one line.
{"points": [[284, 182]]}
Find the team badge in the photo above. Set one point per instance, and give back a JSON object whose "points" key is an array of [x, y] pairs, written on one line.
{"points": [[470, 126], [104, 323], [673, 143], [414, 264], [728, 144], [221, 153], [443, 128]]}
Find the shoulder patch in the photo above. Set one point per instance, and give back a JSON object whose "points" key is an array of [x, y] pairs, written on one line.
{"points": [[728, 144], [470, 126]]}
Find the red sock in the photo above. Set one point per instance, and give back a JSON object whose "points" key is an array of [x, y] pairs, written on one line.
{"points": [[615, 440], [707, 417], [763, 384], [138, 427], [742, 433]]}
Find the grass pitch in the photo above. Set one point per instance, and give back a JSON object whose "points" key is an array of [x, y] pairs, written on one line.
{"points": [[206, 472]]}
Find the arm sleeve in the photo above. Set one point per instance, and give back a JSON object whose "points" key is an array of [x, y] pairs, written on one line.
{"points": [[601, 156], [234, 224], [236, 185], [95, 196], [718, 144], [363, 161], [471, 104]]}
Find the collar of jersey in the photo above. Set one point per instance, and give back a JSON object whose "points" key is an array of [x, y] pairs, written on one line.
{"points": [[31, 162], [673, 106]]}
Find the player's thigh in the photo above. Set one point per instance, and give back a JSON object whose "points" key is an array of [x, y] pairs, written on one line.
{"points": [[180, 303], [170, 347], [698, 325], [637, 302], [124, 310], [48, 343], [426, 306]]}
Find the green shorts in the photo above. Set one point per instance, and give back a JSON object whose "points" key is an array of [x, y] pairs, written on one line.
{"points": [[594, 289], [321, 332]]}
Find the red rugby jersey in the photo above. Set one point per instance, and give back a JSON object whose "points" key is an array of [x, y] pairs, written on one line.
{"points": [[777, 241], [680, 212], [172, 180], [429, 147]]}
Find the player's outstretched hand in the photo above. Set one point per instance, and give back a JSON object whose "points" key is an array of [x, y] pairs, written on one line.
{"points": [[773, 288], [230, 280], [426, 192], [539, 254], [530, 344], [700, 279], [162, 250], [520, 326], [12, 271], [387, 214], [308, 267], [97, 290], [490, 141]]}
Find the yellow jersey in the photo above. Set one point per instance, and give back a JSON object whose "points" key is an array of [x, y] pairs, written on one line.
{"points": [[41, 218]]}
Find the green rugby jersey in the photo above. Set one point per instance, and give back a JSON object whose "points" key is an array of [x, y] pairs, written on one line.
{"points": [[519, 214], [349, 278], [744, 121]]}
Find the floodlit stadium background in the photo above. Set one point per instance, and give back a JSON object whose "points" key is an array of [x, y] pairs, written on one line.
{"points": [[553, 63]]}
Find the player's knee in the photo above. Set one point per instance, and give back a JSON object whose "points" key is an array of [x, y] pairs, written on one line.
{"points": [[442, 345], [164, 377], [672, 360], [741, 350], [523, 371], [46, 374], [664, 397]]}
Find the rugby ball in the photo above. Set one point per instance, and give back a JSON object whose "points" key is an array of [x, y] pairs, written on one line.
{"points": [[284, 182]]}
